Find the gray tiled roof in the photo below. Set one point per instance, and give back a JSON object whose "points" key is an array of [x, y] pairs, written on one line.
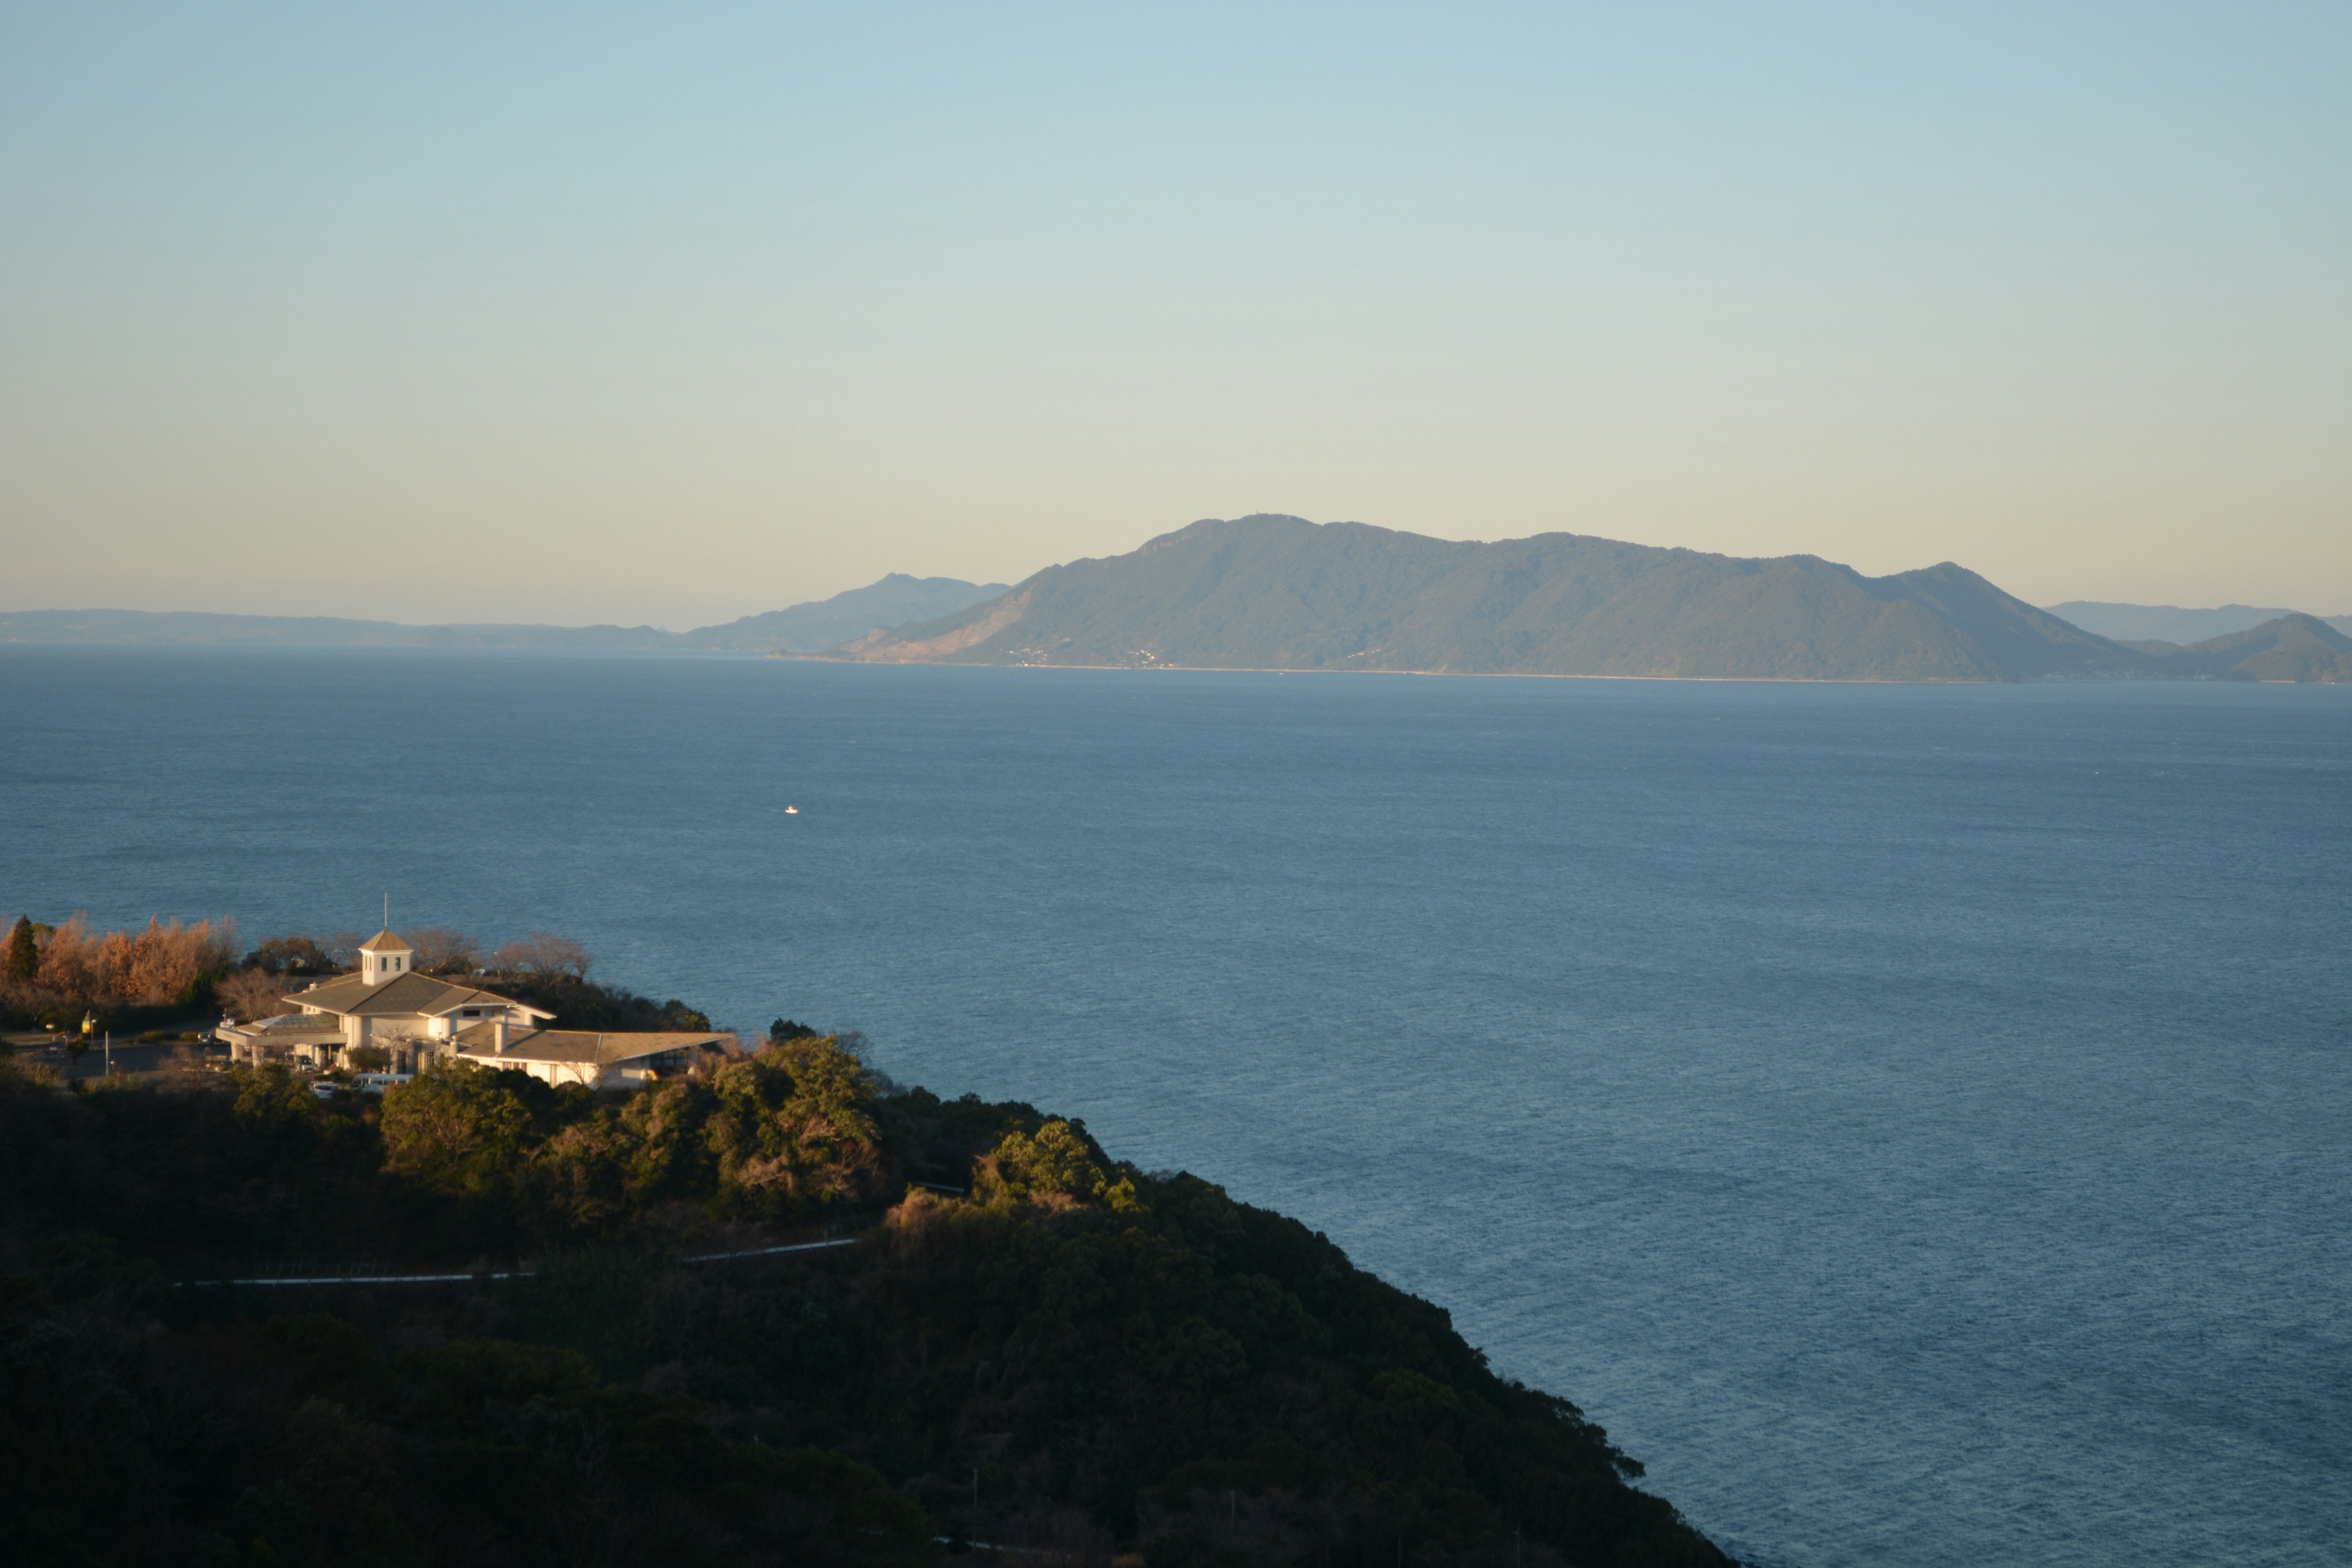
{"points": [[405, 994], [291, 1024], [573, 1047]]}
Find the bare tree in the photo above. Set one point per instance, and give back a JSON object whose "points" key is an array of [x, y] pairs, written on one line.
{"points": [[246, 995], [440, 951], [543, 955]]}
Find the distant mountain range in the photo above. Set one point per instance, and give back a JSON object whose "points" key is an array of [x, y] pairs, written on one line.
{"points": [[828, 623], [802, 628], [2296, 647], [2170, 623], [1281, 593]]}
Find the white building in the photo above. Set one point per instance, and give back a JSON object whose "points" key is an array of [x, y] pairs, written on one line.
{"points": [[582, 1055], [417, 1019]]}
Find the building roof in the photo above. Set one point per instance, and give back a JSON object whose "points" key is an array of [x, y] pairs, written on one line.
{"points": [[408, 994], [576, 1048], [384, 941], [289, 1024]]}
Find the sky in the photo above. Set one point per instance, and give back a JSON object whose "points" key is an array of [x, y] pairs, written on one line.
{"points": [[674, 313]]}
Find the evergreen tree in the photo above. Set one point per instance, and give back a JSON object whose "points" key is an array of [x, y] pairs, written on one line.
{"points": [[23, 957]]}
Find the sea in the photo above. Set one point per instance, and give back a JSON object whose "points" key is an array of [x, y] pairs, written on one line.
{"points": [[1914, 1121]]}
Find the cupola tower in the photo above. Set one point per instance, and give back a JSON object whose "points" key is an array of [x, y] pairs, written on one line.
{"points": [[383, 957]]}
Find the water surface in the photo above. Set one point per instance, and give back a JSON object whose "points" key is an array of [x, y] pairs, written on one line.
{"points": [[1916, 1120]]}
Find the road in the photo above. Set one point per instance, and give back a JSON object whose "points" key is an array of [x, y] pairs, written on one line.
{"points": [[130, 1061]]}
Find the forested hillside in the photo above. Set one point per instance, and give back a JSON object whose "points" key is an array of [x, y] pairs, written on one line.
{"points": [[1042, 1348], [1281, 593]]}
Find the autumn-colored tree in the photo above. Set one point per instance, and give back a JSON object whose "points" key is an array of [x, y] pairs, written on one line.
{"points": [[154, 967], [66, 959]]}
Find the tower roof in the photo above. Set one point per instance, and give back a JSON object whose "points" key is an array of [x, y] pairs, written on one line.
{"points": [[384, 941]]}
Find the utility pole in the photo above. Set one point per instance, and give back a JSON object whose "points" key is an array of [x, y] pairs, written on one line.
{"points": [[110, 1053]]}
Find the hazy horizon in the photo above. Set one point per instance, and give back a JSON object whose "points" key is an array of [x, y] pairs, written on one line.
{"points": [[444, 316], [1005, 582]]}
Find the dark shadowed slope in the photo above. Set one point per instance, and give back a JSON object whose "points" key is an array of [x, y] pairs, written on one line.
{"points": [[1281, 593], [1016, 1339]]}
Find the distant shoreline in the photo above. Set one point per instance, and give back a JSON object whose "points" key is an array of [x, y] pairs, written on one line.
{"points": [[744, 656], [1547, 674]]}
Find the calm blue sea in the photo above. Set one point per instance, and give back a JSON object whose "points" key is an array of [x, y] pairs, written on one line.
{"points": [[1916, 1122]]}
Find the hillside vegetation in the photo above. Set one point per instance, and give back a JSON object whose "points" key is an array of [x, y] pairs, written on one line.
{"points": [[2293, 647], [1044, 1348]]}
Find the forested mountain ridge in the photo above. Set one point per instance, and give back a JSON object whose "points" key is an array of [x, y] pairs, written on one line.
{"points": [[2134, 624], [1057, 1351], [2293, 647], [1272, 592]]}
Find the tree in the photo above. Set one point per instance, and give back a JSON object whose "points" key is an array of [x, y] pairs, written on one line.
{"points": [[545, 955], [246, 995], [290, 955], [461, 1130], [440, 951], [1060, 1159], [23, 960]]}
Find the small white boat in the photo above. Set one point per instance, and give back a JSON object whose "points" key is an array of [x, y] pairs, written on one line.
{"points": [[791, 811]]}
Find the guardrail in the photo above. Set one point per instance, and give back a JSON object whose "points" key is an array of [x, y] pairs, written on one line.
{"points": [[518, 1272]]}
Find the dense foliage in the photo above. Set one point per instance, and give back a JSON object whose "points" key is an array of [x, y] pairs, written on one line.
{"points": [[1040, 1346], [58, 973]]}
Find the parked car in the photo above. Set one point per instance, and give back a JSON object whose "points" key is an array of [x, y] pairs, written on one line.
{"points": [[377, 1082]]}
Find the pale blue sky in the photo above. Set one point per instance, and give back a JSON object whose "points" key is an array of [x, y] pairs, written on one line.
{"points": [[676, 313]]}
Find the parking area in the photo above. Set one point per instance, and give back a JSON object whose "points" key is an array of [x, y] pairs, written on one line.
{"points": [[131, 1059]]}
